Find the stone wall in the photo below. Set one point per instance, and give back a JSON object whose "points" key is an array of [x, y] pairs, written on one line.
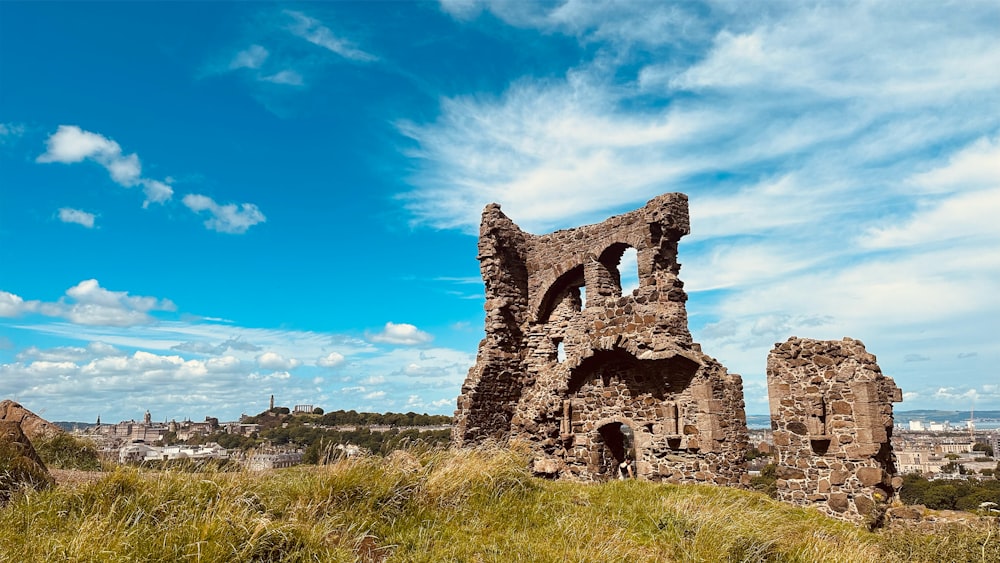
{"points": [[831, 413], [591, 378]]}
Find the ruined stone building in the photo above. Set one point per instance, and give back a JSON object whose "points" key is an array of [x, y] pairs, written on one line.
{"points": [[591, 378], [831, 410], [595, 381]]}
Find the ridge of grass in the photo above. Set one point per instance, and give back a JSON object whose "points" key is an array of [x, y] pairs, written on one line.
{"points": [[434, 506]]}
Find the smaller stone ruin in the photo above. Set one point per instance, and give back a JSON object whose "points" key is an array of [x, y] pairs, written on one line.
{"points": [[831, 412]]}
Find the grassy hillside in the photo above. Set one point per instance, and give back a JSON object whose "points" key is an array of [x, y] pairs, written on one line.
{"points": [[437, 506]]}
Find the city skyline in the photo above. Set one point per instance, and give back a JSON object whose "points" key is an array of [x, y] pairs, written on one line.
{"points": [[205, 203]]}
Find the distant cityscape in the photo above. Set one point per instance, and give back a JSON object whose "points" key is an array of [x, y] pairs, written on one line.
{"points": [[925, 442], [132, 441]]}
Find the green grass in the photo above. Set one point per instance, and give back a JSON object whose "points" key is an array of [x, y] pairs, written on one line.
{"points": [[437, 506]]}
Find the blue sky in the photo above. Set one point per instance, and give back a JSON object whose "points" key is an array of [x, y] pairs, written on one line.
{"points": [[202, 204]]}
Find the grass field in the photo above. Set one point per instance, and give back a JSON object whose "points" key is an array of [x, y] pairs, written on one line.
{"points": [[438, 506]]}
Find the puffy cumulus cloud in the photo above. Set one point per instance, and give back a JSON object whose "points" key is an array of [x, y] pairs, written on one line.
{"points": [[71, 144], [69, 215], [156, 192], [313, 31], [331, 360], [70, 386], [228, 218], [12, 305], [401, 333], [87, 303], [95, 305], [275, 361]]}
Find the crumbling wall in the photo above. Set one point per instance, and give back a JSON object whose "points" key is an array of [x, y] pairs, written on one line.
{"points": [[591, 378], [831, 413]]}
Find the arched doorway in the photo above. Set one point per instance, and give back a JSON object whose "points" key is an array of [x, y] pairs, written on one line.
{"points": [[617, 443]]}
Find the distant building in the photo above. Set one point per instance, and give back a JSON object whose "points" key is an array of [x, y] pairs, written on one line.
{"points": [[916, 426], [262, 461], [303, 409], [138, 452]]}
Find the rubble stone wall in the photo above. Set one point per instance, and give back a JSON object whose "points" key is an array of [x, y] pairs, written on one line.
{"points": [[591, 378], [831, 414]]}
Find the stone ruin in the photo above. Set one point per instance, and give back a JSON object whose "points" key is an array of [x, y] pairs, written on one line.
{"points": [[593, 380], [831, 412]]}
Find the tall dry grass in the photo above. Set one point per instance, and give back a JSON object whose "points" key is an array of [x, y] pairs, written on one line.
{"points": [[433, 506]]}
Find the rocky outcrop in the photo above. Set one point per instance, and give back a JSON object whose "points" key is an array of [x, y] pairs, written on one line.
{"points": [[20, 465], [32, 425]]}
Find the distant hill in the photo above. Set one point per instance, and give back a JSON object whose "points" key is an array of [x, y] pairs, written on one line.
{"points": [[942, 416]]}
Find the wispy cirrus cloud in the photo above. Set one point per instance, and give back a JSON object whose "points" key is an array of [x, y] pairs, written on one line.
{"points": [[283, 51], [842, 170], [315, 32]]}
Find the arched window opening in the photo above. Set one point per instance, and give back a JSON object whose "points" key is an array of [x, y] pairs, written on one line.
{"points": [[617, 271], [628, 268], [565, 297]]}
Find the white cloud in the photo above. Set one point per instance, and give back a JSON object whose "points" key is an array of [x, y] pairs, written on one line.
{"points": [[401, 333], [331, 360], [313, 31], [69, 215], [87, 303], [841, 163], [71, 144], [156, 191], [68, 353], [228, 218], [977, 166], [12, 305], [275, 361], [252, 57], [9, 131], [287, 76]]}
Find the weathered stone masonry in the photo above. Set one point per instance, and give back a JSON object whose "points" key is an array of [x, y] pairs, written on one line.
{"points": [[589, 377], [831, 412]]}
